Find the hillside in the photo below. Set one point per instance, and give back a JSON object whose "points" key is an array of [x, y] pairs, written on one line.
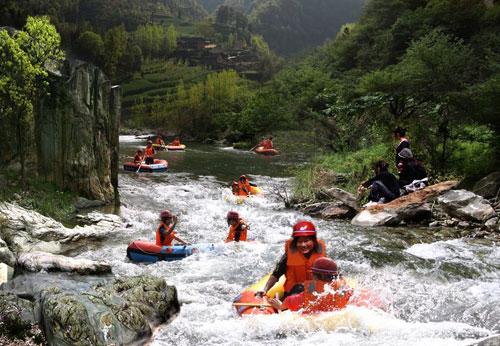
{"points": [[291, 26]]}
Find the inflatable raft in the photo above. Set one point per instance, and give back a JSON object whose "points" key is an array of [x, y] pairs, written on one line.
{"points": [[144, 251], [157, 166], [159, 147], [246, 303], [181, 147], [267, 152]]}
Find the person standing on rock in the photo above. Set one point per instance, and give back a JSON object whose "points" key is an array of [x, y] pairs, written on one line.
{"points": [[400, 136], [384, 186], [300, 253], [165, 234]]}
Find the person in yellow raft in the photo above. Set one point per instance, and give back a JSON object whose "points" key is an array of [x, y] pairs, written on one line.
{"points": [[242, 187], [159, 140], [327, 291], [300, 253], [237, 227], [165, 234], [176, 142]]}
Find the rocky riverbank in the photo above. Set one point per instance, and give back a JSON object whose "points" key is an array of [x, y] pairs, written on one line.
{"points": [[56, 298], [437, 206]]}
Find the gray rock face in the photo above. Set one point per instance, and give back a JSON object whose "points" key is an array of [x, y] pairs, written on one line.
{"points": [[345, 197], [91, 312], [489, 186], [466, 205], [76, 130], [27, 231], [38, 261]]}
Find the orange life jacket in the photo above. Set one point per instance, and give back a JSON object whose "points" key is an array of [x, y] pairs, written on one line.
{"points": [[242, 187], [175, 143], [298, 267], [243, 231], [168, 236], [159, 141], [149, 152], [267, 144], [318, 299], [137, 158]]}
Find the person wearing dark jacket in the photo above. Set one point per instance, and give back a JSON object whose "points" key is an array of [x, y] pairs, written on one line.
{"points": [[400, 136], [384, 185], [409, 168]]}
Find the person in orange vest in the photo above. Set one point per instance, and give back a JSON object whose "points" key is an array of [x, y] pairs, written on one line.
{"points": [[267, 143], [327, 291], [159, 140], [165, 233], [244, 188], [149, 153], [176, 142], [237, 227], [300, 253], [139, 156]]}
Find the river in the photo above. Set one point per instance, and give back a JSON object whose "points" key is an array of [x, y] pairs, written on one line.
{"points": [[438, 291]]}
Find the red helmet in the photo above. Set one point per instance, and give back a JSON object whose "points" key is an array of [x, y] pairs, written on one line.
{"points": [[233, 215], [304, 229], [325, 265], [166, 214]]}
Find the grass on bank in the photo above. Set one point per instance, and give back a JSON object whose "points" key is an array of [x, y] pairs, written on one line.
{"points": [[38, 195]]}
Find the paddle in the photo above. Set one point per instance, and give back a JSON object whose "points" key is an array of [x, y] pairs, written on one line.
{"points": [[266, 305], [253, 147], [138, 169]]}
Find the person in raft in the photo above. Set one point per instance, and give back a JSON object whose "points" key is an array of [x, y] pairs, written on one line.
{"points": [[300, 253], [244, 187], [176, 142], [266, 143], [400, 136], [159, 140], [149, 153], [139, 156], [327, 291], [384, 185], [237, 227], [165, 233]]}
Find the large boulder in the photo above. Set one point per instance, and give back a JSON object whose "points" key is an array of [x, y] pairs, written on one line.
{"points": [[25, 231], [38, 261], [337, 194], [466, 205], [411, 208], [335, 204], [93, 312], [489, 186]]}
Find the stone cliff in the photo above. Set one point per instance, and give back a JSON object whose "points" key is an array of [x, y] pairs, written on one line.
{"points": [[76, 131]]}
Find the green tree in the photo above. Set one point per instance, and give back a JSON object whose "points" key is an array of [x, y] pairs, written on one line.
{"points": [[90, 46], [25, 56], [115, 45]]}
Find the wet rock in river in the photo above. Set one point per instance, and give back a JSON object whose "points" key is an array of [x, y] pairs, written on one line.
{"points": [[25, 231], [466, 205], [38, 261], [88, 311]]}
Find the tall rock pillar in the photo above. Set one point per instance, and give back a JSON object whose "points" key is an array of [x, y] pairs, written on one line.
{"points": [[76, 131]]}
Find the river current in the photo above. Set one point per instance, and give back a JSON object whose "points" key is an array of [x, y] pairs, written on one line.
{"points": [[438, 292]]}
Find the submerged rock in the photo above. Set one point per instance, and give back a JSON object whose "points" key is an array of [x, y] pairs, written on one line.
{"points": [[466, 205], [38, 261], [93, 312], [25, 231], [84, 203]]}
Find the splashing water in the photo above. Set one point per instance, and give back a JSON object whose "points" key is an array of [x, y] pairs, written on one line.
{"points": [[438, 292]]}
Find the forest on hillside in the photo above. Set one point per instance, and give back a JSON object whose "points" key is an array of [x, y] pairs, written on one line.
{"points": [[428, 65]]}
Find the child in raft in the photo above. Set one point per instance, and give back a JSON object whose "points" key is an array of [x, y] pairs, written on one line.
{"points": [[237, 227], [165, 234], [327, 291], [139, 156]]}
